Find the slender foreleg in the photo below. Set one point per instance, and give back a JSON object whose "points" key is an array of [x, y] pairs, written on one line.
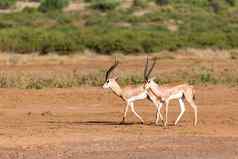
{"points": [[125, 112], [166, 112], [155, 102], [159, 115], [182, 110], [136, 114], [131, 104]]}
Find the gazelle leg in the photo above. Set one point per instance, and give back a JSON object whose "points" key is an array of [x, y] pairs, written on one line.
{"points": [[157, 111], [166, 112], [156, 116], [159, 115], [137, 115], [125, 112], [194, 106], [182, 110]]}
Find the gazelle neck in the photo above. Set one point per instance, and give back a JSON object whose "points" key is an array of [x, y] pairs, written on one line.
{"points": [[155, 88], [117, 89], [154, 85]]}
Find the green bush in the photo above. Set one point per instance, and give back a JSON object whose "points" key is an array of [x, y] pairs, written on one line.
{"points": [[49, 5], [4, 4], [140, 3], [193, 3], [105, 5], [120, 30], [122, 40], [215, 6], [27, 40], [231, 2], [162, 2]]}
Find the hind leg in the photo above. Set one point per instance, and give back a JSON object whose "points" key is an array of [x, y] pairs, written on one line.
{"points": [[194, 106], [124, 115]]}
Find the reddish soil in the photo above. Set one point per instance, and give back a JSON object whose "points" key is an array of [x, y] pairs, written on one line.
{"points": [[84, 122]]}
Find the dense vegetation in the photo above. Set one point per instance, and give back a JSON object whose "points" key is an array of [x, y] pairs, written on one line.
{"points": [[4, 4], [106, 27]]}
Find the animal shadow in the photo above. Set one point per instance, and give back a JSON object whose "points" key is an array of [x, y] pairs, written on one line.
{"points": [[94, 122]]}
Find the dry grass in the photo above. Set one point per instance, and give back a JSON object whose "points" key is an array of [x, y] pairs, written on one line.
{"points": [[54, 71], [209, 53], [203, 54]]}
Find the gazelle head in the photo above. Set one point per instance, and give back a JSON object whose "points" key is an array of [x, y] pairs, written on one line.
{"points": [[149, 82], [110, 82]]}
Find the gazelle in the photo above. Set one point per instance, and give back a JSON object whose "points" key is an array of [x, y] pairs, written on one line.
{"points": [[129, 94], [165, 94]]}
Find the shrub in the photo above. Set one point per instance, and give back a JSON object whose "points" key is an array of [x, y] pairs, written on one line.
{"points": [[120, 30], [122, 40], [27, 40], [162, 2], [105, 5], [4, 4], [140, 3], [29, 10], [205, 77], [88, 1], [193, 3], [215, 6], [231, 2], [48, 5]]}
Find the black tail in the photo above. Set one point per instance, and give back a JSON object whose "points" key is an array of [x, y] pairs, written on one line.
{"points": [[183, 97]]}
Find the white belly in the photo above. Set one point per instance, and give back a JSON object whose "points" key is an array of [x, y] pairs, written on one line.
{"points": [[176, 95], [140, 96]]}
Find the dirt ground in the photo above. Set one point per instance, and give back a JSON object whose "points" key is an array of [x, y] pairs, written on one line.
{"points": [[84, 122]]}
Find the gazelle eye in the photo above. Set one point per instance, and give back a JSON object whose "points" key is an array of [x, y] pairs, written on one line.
{"points": [[107, 81]]}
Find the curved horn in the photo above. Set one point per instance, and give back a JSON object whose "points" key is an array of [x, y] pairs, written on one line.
{"points": [[152, 67], [111, 69], [146, 69]]}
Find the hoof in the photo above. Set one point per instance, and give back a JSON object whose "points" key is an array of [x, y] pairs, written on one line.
{"points": [[122, 122]]}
